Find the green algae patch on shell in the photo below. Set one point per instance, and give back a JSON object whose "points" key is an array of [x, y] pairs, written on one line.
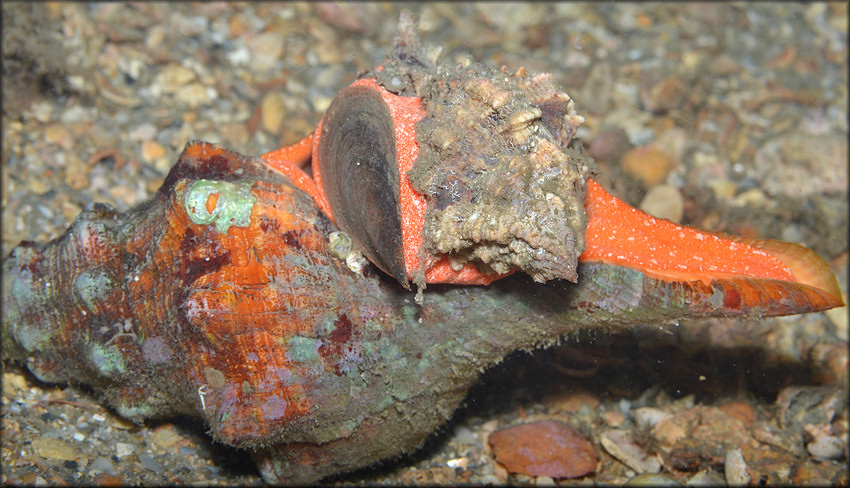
{"points": [[303, 349], [93, 287], [503, 179], [107, 359], [233, 204], [138, 410]]}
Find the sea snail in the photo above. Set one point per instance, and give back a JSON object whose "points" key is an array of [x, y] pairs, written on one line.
{"points": [[467, 174], [467, 180], [222, 296], [451, 174]]}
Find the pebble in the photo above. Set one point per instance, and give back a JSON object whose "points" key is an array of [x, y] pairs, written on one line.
{"points": [[544, 481], [187, 451], [60, 135], [491, 479], [149, 463], [647, 164], [609, 146], [652, 479], [126, 196], [799, 405], [813, 473], [646, 417], [102, 464], [142, 132], [741, 411], [664, 202], [723, 189], [464, 436], [660, 93], [706, 478], [152, 151], [122, 449], [273, 112], [824, 446], [235, 134], [194, 95], [461, 462], [165, 437], [342, 16], [668, 431], [753, 198], [544, 448], [571, 401], [673, 142], [266, 49], [107, 479], [12, 383], [55, 449], [619, 445], [735, 469], [156, 35], [321, 104], [439, 475], [613, 418], [43, 112], [172, 77], [802, 165]]}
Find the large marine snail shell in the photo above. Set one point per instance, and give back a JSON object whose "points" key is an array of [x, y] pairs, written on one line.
{"points": [[223, 296], [462, 177]]}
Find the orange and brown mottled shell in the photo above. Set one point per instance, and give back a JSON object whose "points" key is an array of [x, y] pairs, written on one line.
{"points": [[214, 296]]}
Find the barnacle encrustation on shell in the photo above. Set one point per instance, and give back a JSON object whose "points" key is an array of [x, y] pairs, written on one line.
{"points": [[503, 180]]}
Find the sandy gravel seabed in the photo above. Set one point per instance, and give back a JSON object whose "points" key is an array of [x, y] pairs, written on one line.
{"points": [[732, 115]]}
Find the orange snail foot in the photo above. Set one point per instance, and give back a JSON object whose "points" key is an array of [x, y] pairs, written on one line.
{"points": [[759, 270], [289, 160]]}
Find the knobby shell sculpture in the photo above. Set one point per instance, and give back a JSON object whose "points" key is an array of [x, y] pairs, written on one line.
{"points": [[233, 295]]}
